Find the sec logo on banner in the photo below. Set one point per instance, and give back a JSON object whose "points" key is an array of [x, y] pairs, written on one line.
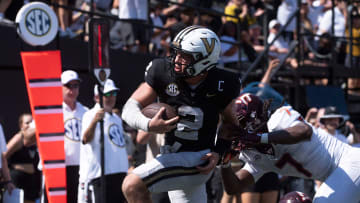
{"points": [[37, 23]]}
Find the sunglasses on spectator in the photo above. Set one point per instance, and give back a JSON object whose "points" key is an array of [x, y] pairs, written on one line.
{"points": [[72, 86], [113, 93]]}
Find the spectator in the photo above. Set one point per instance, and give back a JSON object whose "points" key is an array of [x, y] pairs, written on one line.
{"points": [[354, 135], [286, 9], [239, 9], [255, 38], [173, 8], [23, 160], [62, 13], [182, 83], [84, 192], [256, 9], [316, 11], [325, 26], [132, 34], [114, 146], [283, 143], [157, 33], [5, 177], [280, 47], [339, 26], [73, 112], [263, 88], [229, 52], [187, 16], [331, 121]]}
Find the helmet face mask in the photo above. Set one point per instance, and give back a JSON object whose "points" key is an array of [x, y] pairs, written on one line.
{"points": [[202, 44], [185, 63]]}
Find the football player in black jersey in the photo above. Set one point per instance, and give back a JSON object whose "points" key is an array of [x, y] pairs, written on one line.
{"points": [[199, 92]]}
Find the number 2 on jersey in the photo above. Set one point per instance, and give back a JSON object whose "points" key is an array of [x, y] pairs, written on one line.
{"points": [[191, 120]]}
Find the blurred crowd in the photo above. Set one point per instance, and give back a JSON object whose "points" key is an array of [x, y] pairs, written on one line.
{"points": [[244, 26]]}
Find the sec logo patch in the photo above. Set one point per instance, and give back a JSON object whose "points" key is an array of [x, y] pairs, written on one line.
{"points": [[37, 23], [172, 90]]}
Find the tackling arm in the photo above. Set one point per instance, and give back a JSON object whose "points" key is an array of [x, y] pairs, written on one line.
{"points": [[292, 135]]}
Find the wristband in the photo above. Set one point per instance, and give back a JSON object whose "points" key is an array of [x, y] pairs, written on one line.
{"points": [[264, 138]]}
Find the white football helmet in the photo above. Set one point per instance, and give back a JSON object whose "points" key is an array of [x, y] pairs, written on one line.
{"points": [[203, 44]]}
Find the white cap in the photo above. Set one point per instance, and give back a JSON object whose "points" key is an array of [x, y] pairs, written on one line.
{"points": [[109, 86], [272, 23], [68, 76]]}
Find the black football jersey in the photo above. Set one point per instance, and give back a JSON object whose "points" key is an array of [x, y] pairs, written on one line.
{"points": [[198, 107]]}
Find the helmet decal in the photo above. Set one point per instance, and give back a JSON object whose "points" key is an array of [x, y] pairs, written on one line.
{"points": [[209, 47]]}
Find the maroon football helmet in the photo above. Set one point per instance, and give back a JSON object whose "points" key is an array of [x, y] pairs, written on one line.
{"points": [[251, 113], [295, 197]]}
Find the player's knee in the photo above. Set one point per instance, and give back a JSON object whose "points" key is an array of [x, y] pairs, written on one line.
{"points": [[132, 183]]}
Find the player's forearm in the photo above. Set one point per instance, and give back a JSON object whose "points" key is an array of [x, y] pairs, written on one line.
{"points": [[291, 135]]}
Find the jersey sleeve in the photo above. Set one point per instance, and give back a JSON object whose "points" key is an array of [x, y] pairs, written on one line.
{"points": [[283, 117], [153, 72]]}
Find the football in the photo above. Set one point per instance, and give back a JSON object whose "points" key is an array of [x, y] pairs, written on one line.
{"points": [[151, 110]]}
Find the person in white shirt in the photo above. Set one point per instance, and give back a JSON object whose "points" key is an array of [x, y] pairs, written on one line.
{"points": [[280, 47], [284, 12], [284, 143], [84, 192], [116, 162], [73, 112], [331, 121], [339, 20], [316, 12]]}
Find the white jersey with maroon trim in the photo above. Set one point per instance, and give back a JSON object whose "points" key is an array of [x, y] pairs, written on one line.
{"points": [[314, 159]]}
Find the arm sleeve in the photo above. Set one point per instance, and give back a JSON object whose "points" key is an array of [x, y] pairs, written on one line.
{"points": [[132, 115]]}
